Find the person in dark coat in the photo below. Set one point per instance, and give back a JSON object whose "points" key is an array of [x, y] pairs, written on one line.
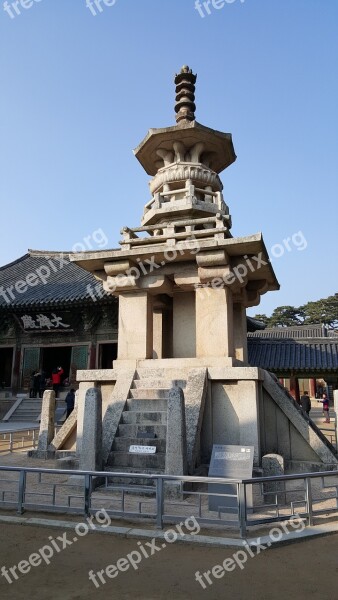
{"points": [[42, 383], [36, 384], [305, 403], [31, 384], [70, 401]]}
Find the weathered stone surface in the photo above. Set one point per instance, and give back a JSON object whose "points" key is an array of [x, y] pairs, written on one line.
{"points": [[97, 375], [195, 395], [81, 395], [176, 455], [68, 462], [66, 430], [273, 465], [91, 447], [114, 410], [46, 432]]}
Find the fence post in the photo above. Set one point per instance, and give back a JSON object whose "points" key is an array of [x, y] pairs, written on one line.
{"points": [[159, 502], [21, 492], [241, 495], [87, 492], [11, 442], [309, 500]]}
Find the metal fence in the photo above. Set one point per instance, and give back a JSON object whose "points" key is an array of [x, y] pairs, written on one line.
{"points": [[11, 441], [214, 502]]}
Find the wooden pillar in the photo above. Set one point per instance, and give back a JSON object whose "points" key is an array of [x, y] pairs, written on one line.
{"points": [[312, 390], [294, 388], [92, 356]]}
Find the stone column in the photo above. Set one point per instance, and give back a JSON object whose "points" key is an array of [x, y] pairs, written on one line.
{"points": [[46, 433], [176, 453], [214, 327], [240, 333], [91, 453], [135, 326], [83, 387], [184, 319], [158, 333]]}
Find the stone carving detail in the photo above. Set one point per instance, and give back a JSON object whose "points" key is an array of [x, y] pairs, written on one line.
{"points": [[185, 171]]}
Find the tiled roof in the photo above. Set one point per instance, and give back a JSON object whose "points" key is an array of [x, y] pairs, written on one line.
{"points": [[56, 281], [300, 331], [302, 355]]}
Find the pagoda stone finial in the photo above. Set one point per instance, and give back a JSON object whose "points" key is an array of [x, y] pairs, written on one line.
{"points": [[185, 95]]}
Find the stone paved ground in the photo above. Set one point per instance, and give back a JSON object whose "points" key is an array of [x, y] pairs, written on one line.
{"points": [[305, 570]]}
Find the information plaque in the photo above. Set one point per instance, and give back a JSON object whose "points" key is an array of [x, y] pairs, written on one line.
{"points": [[230, 462], [136, 449]]}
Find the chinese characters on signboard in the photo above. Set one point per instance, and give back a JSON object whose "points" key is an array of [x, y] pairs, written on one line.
{"points": [[43, 322]]}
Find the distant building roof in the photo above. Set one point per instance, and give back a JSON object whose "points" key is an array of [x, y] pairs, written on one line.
{"points": [[298, 331], [304, 348], [42, 278]]}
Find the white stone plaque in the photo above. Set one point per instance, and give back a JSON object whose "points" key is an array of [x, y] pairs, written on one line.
{"points": [[136, 449]]}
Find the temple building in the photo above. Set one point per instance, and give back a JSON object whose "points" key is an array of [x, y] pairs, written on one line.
{"points": [[303, 357], [51, 314]]}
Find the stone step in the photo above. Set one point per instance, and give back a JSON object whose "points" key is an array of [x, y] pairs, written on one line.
{"points": [[149, 393], [131, 430], [146, 404], [136, 461], [122, 444], [144, 418], [132, 480]]}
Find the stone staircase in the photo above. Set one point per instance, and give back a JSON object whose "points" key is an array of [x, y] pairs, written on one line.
{"points": [[145, 415], [29, 410]]}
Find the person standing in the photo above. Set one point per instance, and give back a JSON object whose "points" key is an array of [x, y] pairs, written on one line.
{"points": [[32, 384], [56, 379], [326, 408], [70, 401], [305, 403], [36, 384], [42, 383]]}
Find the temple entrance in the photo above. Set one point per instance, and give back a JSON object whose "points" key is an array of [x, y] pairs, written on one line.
{"points": [[6, 362], [107, 353], [57, 356]]}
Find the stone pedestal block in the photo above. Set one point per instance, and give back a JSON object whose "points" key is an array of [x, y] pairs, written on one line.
{"points": [[274, 491]]}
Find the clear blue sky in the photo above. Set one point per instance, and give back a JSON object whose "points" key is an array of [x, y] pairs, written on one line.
{"points": [[79, 92]]}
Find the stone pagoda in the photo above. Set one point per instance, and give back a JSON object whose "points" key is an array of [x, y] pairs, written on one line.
{"points": [[183, 283]]}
